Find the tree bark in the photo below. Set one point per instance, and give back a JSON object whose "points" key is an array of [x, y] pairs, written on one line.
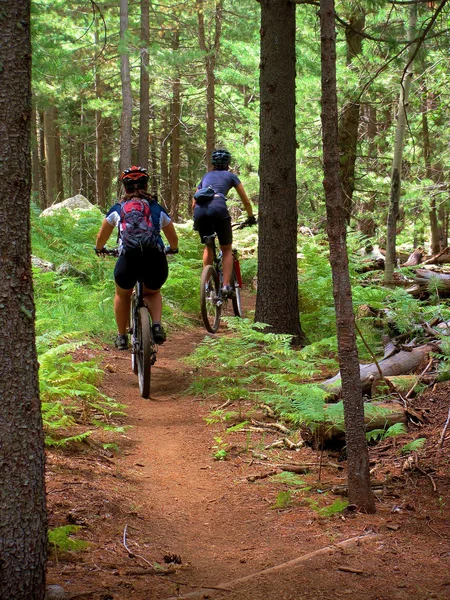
{"points": [[50, 156], [164, 162], [211, 50], [349, 123], [127, 101], [394, 201], [277, 295], [35, 157], [100, 196], [359, 489], [23, 535], [144, 88]]}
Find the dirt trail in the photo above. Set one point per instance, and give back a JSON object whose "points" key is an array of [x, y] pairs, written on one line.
{"points": [[165, 495]]}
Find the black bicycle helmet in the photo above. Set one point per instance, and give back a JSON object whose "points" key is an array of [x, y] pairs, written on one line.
{"points": [[134, 177], [221, 159]]}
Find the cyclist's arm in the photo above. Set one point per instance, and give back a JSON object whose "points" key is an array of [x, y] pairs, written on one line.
{"points": [[245, 199], [103, 235], [171, 235]]}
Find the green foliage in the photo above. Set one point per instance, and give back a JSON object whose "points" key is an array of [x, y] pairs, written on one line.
{"points": [[381, 434], [338, 506], [220, 449], [288, 478], [283, 500], [413, 446], [60, 539]]}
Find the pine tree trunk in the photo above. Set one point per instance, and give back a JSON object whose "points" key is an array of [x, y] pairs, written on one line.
{"points": [[359, 490], [144, 94], [100, 197], [58, 161], [41, 150], [349, 124], [394, 201], [175, 147], [50, 156], [23, 535], [127, 101], [277, 296], [211, 53], [164, 161], [35, 156]]}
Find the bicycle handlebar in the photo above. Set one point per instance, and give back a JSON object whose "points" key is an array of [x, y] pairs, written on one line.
{"points": [[247, 223]]}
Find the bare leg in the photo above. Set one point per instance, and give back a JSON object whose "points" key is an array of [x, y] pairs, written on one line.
{"points": [[122, 308], [227, 263], [207, 256], [153, 301]]}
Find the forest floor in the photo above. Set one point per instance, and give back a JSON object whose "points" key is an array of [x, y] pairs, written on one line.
{"points": [[165, 520]]}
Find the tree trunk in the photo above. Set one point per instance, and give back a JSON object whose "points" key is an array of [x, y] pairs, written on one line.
{"points": [[41, 149], [175, 147], [50, 156], [359, 490], [164, 149], [58, 161], [35, 157], [127, 101], [23, 535], [394, 202], [144, 93], [211, 51], [100, 196], [348, 129], [277, 296]]}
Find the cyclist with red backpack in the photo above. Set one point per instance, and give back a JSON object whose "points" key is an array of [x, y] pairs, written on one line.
{"points": [[142, 255], [211, 213]]}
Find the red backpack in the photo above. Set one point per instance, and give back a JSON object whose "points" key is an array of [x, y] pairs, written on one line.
{"points": [[136, 229]]}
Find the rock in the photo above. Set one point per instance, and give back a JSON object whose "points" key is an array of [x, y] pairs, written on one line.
{"points": [[55, 592], [71, 271], [44, 265], [77, 202]]}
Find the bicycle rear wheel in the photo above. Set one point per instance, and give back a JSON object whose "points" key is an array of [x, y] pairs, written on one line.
{"points": [[209, 298], [133, 323], [143, 350], [236, 299]]}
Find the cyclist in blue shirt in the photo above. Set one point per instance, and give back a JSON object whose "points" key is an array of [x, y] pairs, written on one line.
{"points": [[212, 216], [151, 264]]}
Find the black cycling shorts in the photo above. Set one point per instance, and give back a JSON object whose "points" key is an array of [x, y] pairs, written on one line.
{"points": [[150, 266], [213, 217]]}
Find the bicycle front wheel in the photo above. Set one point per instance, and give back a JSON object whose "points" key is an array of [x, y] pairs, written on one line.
{"points": [[143, 351], [210, 299]]}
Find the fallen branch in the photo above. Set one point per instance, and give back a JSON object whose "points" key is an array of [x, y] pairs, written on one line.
{"points": [[444, 431], [291, 564]]}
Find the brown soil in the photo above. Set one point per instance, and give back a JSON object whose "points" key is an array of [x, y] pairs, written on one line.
{"points": [[166, 520]]}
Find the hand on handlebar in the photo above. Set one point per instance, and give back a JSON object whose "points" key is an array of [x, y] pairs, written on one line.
{"points": [[168, 250], [249, 222], [100, 252]]}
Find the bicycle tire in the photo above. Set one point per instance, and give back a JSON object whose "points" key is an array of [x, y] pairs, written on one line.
{"points": [[236, 300], [209, 293], [134, 362], [144, 351]]}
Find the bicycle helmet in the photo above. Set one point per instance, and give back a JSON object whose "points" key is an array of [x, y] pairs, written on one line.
{"points": [[221, 159], [135, 177]]}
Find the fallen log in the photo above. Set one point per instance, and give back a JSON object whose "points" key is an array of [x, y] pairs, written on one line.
{"points": [[399, 364]]}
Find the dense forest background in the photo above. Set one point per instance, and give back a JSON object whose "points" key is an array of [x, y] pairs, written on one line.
{"points": [[77, 91]]}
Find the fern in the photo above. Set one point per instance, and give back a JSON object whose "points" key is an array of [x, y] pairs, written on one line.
{"points": [[413, 446]]}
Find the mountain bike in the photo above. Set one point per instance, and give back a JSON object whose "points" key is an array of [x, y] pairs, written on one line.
{"points": [[143, 345], [212, 303]]}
